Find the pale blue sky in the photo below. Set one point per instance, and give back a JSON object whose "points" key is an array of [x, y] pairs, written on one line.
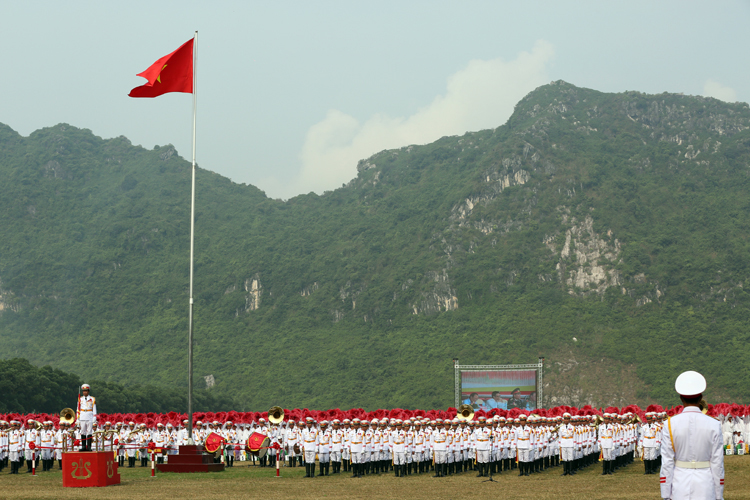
{"points": [[292, 94]]}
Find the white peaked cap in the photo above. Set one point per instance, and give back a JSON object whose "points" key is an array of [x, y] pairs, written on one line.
{"points": [[690, 384]]}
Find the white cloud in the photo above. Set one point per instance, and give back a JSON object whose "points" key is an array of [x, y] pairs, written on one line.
{"points": [[480, 96], [712, 88]]}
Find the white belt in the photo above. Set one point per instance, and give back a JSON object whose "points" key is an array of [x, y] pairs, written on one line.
{"points": [[692, 465]]}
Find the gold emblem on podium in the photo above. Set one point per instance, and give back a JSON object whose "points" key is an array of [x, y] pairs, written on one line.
{"points": [[83, 467]]}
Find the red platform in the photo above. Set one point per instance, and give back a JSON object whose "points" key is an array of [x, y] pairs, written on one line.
{"points": [[83, 469], [190, 459]]}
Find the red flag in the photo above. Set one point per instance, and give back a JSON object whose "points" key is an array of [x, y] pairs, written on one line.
{"points": [[171, 73]]}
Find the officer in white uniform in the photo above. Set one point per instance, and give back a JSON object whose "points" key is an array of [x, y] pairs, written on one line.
{"points": [[337, 443], [324, 448], [47, 446], [691, 447], [15, 446], [291, 437], [648, 433], [31, 444], [483, 439], [310, 445], [355, 445], [86, 416], [567, 444]]}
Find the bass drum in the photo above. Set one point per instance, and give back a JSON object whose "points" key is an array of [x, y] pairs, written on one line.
{"points": [[258, 444]]}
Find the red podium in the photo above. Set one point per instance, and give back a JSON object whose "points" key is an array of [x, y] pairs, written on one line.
{"points": [[83, 469], [192, 458]]}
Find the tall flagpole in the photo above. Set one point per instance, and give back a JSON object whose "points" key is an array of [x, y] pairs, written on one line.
{"points": [[192, 245]]}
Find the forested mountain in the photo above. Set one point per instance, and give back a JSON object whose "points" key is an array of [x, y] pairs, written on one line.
{"points": [[605, 232]]}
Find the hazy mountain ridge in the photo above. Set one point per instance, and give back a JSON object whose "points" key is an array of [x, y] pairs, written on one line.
{"points": [[612, 218]]}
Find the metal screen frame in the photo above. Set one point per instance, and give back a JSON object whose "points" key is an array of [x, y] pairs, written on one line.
{"points": [[539, 377]]}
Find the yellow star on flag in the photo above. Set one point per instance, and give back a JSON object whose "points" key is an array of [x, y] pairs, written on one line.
{"points": [[158, 78]]}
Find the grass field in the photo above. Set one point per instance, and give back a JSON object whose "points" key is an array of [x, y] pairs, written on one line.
{"points": [[243, 482]]}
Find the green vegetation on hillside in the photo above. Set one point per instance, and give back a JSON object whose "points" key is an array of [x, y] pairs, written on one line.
{"points": [[617, 219]]}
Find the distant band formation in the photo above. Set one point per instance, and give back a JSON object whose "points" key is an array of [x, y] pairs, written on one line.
{"points": [[400, 441]]}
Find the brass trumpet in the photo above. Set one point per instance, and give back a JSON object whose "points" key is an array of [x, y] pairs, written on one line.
{"points": [[276, 415], [134, 431]]}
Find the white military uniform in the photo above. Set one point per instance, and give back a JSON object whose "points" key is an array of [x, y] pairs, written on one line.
{"points": [[86, 414], [15, 444], [31, 436], [691, 448], [694, 468]]}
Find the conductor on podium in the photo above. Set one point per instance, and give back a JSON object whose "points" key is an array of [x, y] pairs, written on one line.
{"points": [[86, 416], [691, 447]]}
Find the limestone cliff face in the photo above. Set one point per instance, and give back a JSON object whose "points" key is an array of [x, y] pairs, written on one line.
{"points": [[439, 297], [7, 302], [586, 261], [254, 291]]}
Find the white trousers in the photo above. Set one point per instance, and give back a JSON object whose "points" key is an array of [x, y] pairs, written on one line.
{"points": [[86, 426]]}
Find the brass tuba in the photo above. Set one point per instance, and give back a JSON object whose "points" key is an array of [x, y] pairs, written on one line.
{"points": [[465, 412], [276, 415], [703, 406], [67, 416]]}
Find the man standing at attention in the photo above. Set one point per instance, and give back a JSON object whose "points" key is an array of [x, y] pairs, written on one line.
{"points": [[691, 447], [86, 416]]}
